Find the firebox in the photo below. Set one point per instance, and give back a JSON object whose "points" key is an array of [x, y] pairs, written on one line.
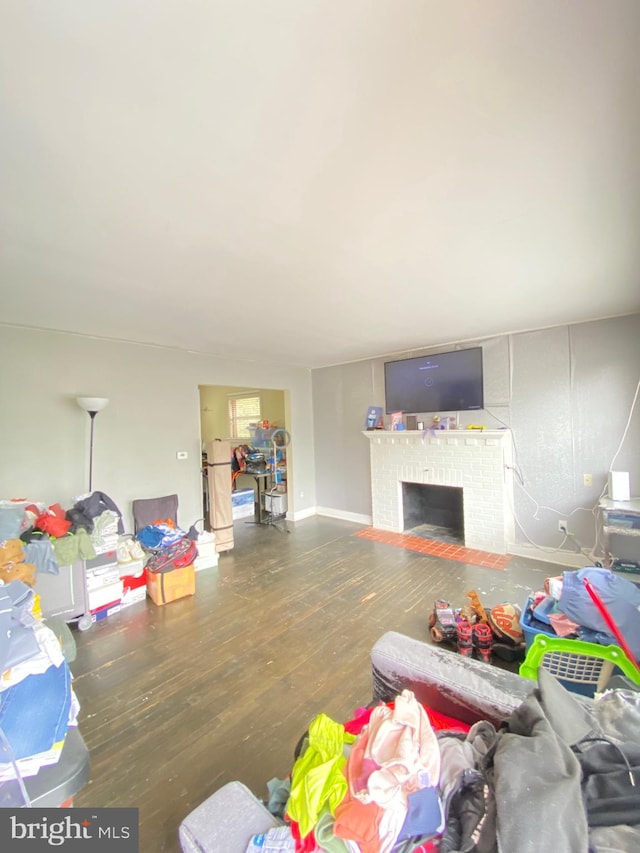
{"points": [[433, 511]]}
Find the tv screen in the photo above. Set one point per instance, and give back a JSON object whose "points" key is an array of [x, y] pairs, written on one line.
{"points": [[444, 382]]}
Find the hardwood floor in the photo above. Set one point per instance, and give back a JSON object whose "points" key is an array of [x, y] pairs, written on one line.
{"points": [[177, 700]]}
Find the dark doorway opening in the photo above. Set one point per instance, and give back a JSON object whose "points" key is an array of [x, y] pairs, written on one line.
{"points": [[433, 512]]}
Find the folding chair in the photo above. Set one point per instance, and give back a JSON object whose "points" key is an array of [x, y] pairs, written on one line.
{"points": [[148, 510]]}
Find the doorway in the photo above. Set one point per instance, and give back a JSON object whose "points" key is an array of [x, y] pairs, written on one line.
{"points": [[217, 421]]}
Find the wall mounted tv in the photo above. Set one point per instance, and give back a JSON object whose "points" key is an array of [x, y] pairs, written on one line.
{"points": [[444, 382]]}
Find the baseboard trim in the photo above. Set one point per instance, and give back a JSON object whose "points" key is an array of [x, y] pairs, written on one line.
{"points": [[303, 513], [356, 517], [560, 558]]}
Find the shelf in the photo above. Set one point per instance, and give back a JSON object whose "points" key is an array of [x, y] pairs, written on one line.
{"points": [[616, 516], [620, 531]]}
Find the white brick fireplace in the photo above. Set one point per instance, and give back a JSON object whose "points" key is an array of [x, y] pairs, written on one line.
{"points": [[477, 462]]}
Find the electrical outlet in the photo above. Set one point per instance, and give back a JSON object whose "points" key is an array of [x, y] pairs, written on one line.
{"points": [[182, 454], [562, 525], [587, 480]]}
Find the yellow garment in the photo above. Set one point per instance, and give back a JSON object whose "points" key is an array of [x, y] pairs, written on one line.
{"points": [[316, 778], [12, 564]]}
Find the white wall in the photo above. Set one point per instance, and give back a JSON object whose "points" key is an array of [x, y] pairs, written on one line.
{"points": [[154, 411], [566, 392]]}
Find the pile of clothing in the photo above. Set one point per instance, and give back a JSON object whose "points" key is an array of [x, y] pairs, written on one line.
{"points": [[370, 784], [401, 779], [566, 608], [37, 702], [42, 538], [160, 535], [168, 546]]}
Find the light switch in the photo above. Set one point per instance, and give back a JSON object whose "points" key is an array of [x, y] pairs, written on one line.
{"points": [[182, 454]]}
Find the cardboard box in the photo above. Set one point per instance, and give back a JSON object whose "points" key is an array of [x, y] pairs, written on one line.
{"points": [[242, 501], [245, 511], [105, 558], [103, 576], [133, 567], [201, 563], [206, 544], [164, 587], [134, 589], [103, 595], [103, 612]]}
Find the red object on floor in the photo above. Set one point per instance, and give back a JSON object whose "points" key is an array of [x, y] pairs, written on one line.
{"points": [[436, 549]]}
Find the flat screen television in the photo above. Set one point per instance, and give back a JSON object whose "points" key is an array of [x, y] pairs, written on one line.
{"points": [[444, 382]]}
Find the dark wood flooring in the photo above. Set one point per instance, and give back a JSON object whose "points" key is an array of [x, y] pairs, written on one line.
{"points": [[177, 700]]}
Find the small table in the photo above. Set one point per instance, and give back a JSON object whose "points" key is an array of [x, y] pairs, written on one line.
{"points": [[262, 516], [619, 518]]}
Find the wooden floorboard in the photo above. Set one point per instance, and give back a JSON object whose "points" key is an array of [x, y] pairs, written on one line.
{"points": [[177, 700]]}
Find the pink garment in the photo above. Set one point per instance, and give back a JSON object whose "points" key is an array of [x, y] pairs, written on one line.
{"points": [[562, 625], [373, 828], [358, 768], [402, 742], [395, 754]]}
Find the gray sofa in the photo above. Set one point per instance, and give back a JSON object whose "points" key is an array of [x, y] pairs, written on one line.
{"points": [[534, 771]]}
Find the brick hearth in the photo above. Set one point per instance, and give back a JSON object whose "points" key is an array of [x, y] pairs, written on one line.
{"points": [[478, 463]]}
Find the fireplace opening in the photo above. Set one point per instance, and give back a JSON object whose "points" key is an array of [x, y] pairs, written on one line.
{"points": [[433, 512]]}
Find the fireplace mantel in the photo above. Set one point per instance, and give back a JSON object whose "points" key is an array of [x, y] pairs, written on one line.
{"points": [[477, 461]]}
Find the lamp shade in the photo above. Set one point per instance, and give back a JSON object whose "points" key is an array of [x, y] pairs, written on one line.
{"points": [[92, 404]]}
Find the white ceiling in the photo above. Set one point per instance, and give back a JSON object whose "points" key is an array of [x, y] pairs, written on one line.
{"points": [[317, 181]]}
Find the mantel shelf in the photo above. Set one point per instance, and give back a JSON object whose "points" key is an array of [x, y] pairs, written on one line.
{"points": [[436, 433]]}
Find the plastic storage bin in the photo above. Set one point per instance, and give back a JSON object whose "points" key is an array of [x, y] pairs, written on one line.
{"points": [[242, 503], [532, 626]]}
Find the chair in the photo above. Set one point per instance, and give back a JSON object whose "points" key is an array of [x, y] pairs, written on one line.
{"points": [[146, 511], [581, 667]]}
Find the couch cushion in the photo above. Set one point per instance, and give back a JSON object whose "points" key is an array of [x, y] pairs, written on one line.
{"points": [[463, 688]]}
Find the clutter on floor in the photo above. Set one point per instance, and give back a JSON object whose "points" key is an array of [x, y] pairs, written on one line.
{"points": [[566, 607], [524, 767], [37, 703], [76, 565], [396, 778], [84, 567], [593, 604], [478, 631]]}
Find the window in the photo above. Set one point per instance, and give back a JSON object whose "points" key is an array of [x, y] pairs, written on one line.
{"points": [[244, 409]]}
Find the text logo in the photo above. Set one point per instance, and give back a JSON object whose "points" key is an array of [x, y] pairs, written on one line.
{"points": [[71, 830]]}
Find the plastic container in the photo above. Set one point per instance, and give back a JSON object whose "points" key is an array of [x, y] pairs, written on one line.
{"points": [[545, 609], [581, 667], [532, 626]]}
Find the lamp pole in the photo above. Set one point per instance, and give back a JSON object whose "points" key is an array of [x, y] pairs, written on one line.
{"points": [[92, 415], [91, 405]]}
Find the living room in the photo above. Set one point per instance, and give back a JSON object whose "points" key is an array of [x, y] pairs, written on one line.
{"points": [[565, 392], [286, 196], [523, 243]]}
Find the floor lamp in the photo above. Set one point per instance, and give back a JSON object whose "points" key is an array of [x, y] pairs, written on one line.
{"points": [[91, 405]]}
